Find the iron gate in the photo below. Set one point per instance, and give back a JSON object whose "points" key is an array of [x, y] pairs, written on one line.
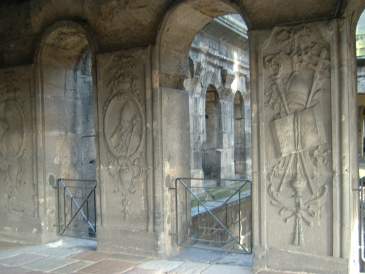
{"points": [[213, 213], [76, 203]]}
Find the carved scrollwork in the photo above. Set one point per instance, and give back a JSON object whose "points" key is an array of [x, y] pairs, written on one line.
{"points": [[11, 150], [124, 131], [297, 73]]}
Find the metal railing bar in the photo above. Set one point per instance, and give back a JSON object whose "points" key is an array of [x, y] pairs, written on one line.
{"points": [[204, 179], [58, 207], [230, 197], [211, 241], [176, 219], [214, 187], [78, 187], [76, 180]]}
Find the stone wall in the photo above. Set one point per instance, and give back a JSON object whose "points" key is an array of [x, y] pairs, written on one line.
{"points": [[303, 94], [125, 196], [296, 97], [18, 185]]}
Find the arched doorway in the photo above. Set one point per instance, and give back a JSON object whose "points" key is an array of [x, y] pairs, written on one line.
{"points": [[206, 86], [67, 136]]}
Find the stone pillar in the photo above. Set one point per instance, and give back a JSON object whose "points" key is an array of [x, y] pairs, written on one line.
{"points": [[176, 164], [227, 134], [125, 164], [227, 137], [247, 136], [193, 87], [297, 194]]}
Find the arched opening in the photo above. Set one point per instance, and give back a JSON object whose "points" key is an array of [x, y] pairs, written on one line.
{"points": [[68, 145], [211, 156], [203, 61]]}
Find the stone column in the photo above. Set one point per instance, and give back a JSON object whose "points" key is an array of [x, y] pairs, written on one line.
{"points": [[227, 134], [247, 136], [297, 194], [193, 87]]}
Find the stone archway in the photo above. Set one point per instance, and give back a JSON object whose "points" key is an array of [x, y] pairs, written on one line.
{"points": [[175, 78], [66, 107]]}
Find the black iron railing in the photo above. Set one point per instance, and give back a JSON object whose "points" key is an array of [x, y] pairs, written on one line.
{"points": [[76, 202], [214, 213]]}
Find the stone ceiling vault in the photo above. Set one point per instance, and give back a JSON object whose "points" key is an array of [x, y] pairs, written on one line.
{"points": [[130, 23]]}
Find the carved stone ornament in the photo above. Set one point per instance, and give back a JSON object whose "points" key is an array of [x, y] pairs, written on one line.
{"points": [[11, 148], [123, 130], [297, 74], [123, 126]]}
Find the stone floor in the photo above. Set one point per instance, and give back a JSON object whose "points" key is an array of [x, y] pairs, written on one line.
{"points": [[80, 256]]}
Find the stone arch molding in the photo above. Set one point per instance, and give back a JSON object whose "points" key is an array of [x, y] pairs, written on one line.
{"points": [[79, 27], [173, 48], [200, 78]]}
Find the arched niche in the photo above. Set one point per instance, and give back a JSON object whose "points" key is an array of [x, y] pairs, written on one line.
{"points": [[66, 116]]}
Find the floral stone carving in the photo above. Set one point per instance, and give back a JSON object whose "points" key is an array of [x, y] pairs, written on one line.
{"points": [[123, 130], [297, 74]]}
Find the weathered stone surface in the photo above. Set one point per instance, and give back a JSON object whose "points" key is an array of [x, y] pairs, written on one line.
{"points": [[19, 197], [297, 87], [304, 152], [106, 266], [297, 159], [110, 20], [123, 163]]}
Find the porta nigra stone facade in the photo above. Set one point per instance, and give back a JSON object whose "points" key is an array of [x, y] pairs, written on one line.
{"points": [[219, 100], [116, 79]]}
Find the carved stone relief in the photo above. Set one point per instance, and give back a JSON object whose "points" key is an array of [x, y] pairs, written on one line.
{"points": [[296, 77], [16, 182], [124, 133]]}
